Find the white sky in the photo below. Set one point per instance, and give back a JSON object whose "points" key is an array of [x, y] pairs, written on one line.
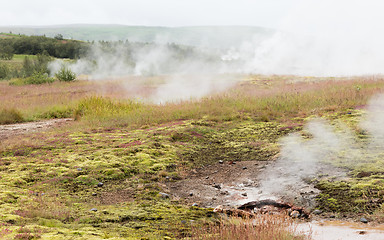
{"points": [[267, 13]]}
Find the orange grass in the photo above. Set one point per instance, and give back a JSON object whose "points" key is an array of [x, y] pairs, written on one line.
{"points": [[259, 97], [262, 227]]}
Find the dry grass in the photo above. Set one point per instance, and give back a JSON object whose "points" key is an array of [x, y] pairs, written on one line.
{"points": [[263, 227], [281, 101], [259, 97]]}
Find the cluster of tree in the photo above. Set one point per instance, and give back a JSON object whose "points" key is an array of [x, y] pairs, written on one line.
{"points": [[29, 67], [33, 45]]}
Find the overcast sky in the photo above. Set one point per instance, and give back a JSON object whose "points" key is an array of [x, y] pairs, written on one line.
{"points": [[267, 13]]}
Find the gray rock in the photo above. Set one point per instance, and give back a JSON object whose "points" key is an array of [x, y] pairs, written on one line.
{"points": [[94, 210], [79, 169], [244, 194], [191, 194], [295, 214], [195, 205], [244, 168], [100, 184], [363, 220], [94, 194], [217, 186], [317, 212], [163, 195], [221, 161]]}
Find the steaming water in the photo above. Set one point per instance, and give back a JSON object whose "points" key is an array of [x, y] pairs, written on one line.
{"points": [[338, 230]]}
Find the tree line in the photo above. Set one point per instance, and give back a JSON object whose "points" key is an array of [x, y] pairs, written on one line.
{"points": [[33, 45]]}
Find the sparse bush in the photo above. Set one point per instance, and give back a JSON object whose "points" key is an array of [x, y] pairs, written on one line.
{"points": [[39, 78], [4, 71], [65, 74], [9, 116]]}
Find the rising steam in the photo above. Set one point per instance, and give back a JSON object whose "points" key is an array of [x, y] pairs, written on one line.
{"points": [[324, 147]]}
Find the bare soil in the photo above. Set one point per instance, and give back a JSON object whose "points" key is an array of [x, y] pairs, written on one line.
{"points": [[7, 131], [228, 184]]}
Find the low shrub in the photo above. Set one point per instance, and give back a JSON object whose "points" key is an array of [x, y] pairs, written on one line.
{"points": [[65, 74], [4, 71], [36, 78]]}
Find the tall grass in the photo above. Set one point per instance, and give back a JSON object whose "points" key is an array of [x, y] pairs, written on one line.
{"points": [[263, 227], [280, 100], [277, 104], [9, 116]]}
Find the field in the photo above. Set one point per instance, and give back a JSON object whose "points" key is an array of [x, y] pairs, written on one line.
{"points": [[115, 172]]}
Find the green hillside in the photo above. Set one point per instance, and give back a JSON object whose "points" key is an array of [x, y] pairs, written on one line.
{"points": [[218, 36]]}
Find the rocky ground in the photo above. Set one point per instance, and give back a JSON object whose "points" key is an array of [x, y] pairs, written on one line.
{"points": [[10, 130]]}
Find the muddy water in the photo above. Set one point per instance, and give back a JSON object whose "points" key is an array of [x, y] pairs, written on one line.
{"points": [[339, 230]]}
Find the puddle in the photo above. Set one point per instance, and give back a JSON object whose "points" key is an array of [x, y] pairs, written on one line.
{"points": [[338, 230]]}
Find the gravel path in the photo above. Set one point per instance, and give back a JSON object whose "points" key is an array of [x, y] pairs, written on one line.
{"points": [[10, 130]]}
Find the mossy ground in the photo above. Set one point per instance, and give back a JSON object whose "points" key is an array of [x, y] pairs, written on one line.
{"points": [[51, 183]]}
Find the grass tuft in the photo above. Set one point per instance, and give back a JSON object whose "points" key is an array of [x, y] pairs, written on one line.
{"points": [[10, 116]]}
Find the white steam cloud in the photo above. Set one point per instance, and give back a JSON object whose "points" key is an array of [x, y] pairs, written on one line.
{"points": [[326, 146], [317, 38], [323, 38]]}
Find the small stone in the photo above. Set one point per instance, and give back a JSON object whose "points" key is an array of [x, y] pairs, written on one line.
{"points": [[100, 184], [332, 216], [295, 214], [317, 212], [363, 220], [94, 210], [217, 186], [184, 222], [221, 161], [94, 194], [190, 194], [244, 194], [79, 169], [163, 195], [224, 193], [244, 168], [195, 205], [207, 177], [167, 178]]}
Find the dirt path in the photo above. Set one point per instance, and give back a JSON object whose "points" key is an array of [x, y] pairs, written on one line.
{"points": [[10, 130]]}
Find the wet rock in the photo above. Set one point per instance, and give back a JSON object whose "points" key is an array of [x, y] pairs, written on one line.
{"points": [[221, 161], [317, 212], [163, 195], [363, 220], [295, 214], [93, 210], [218, 209], [100, 184]]}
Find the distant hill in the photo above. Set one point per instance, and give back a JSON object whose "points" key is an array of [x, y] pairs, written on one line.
{"points": [[206, 36]]}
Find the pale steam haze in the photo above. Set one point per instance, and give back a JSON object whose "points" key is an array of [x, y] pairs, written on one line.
{"points": [[145, 12], [305, 37]]}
